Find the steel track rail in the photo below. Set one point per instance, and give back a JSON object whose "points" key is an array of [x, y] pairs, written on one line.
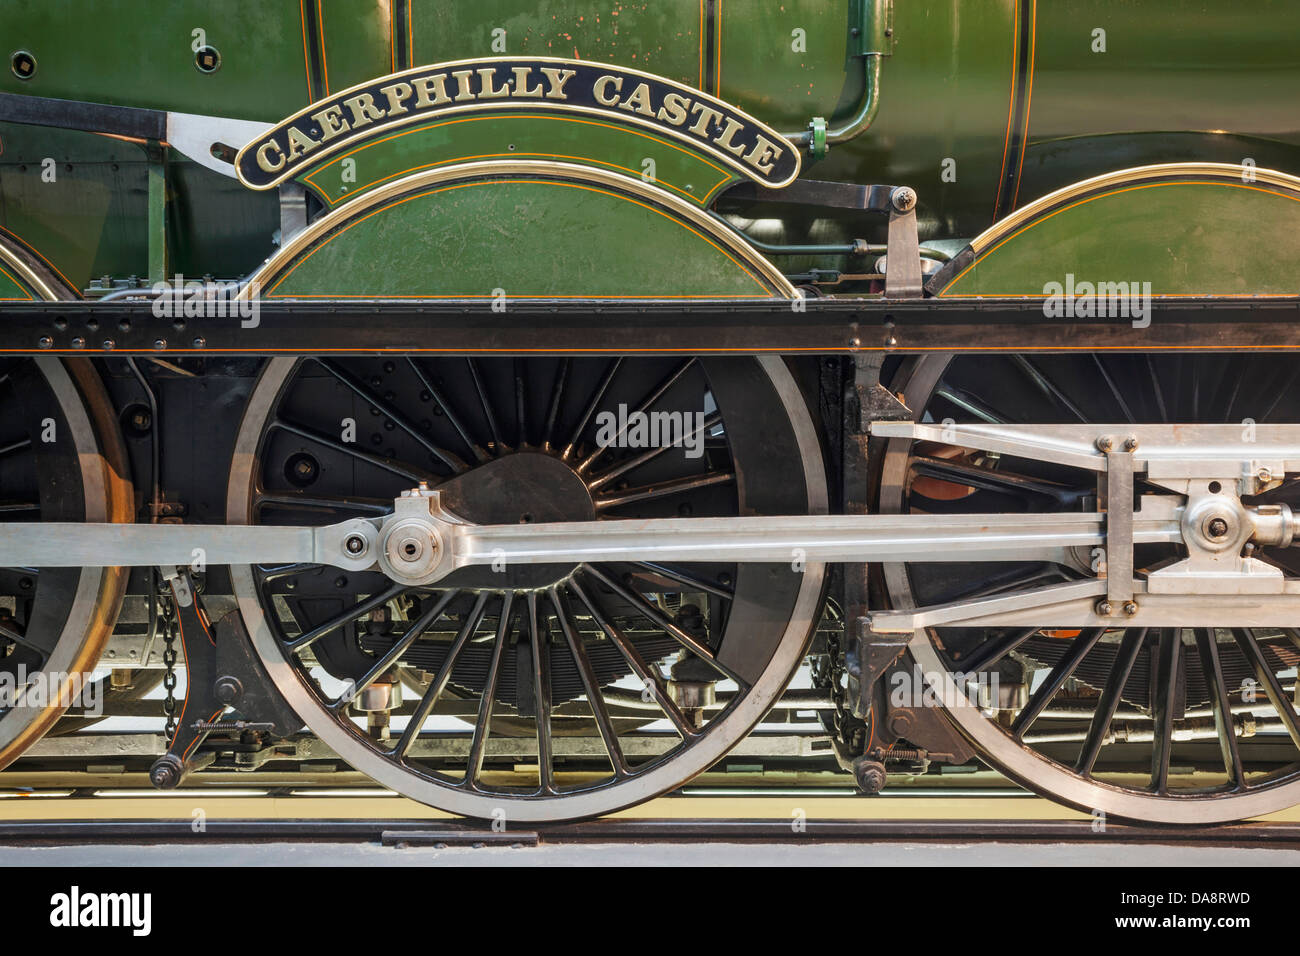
{"points": [[121, 327]]}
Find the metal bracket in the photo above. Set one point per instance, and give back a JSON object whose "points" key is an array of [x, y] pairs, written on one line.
{"points": [[1119, 530], [221, 671], [903, 258], [293, 211]]}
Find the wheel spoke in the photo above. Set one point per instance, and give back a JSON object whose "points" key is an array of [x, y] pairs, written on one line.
{"points": [[521, 404], [1268, 681], [397, 418], [969, 403], [1155, 388], [990, 652], [1044, 385], [1164, 687], [412, 633], [449, 411], [308, 638], [486, 406], [439, 683], [483, 725], [690, 580], [553, 412], [379, 461], [590, 684], [1059, 674], [1109, 700], [541, 696], [663, 489], [995, 480], [698, 648], [1114, 389], [590, 409], [649, 676], [644, 405], [301, 499], [20, 444], [1222, 705], [622, 468]]}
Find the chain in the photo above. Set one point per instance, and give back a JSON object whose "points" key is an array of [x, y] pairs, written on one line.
{"points": [[169, 662], [828, 674]]}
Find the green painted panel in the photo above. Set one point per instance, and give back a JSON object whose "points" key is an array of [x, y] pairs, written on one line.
{"points": [[768, 69], [944, 101], [11, 288], [1188, 238], [89, 214], [1167, 65], [357, 43], [1226, 70], [133, 53], [658, 36], [528, 238], [497, 136]]}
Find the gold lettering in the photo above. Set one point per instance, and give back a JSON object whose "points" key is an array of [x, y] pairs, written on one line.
{"points": [[364, 110], [396, 92], [263, 159], [707, 115], [557, 78], [673, 111], [331, 123], [490, 90], [764, 151], [602, 85], [724, 139], [299, 143], [521, 82], [463, 81], [639, 100], [437, 84]]}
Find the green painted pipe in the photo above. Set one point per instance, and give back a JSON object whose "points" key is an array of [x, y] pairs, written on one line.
{"points": [[819, 139]]}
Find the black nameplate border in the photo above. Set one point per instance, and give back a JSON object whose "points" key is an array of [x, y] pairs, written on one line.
{"points": [[547, 84]]}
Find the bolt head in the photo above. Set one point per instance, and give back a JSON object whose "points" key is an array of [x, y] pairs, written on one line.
{"points": [[1216, 527], [1105, 609], [355, 545], [1130, 608], [1105, 443], [903, 198], [1130, 443]]}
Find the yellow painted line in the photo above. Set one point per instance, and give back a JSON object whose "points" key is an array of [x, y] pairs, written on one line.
{"points": [[182, 806]]}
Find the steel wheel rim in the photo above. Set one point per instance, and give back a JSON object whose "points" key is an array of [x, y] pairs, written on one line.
{"points": [[722, 731], [1021, 763], [98, 592]]}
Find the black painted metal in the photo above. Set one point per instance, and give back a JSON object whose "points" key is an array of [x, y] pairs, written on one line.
{"points": [[529, 327]]}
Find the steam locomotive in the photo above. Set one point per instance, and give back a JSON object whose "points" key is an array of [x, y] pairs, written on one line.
{"points": [[508, 400]]}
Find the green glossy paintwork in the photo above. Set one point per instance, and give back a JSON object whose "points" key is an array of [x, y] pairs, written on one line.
{"points": [[1234, 239], [92, 220], [11, 289], [530, 239], [554, 138], [134, 53], [1169, 65], [1181, 80], [944, 95], [357, 43], [658, 36]]}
